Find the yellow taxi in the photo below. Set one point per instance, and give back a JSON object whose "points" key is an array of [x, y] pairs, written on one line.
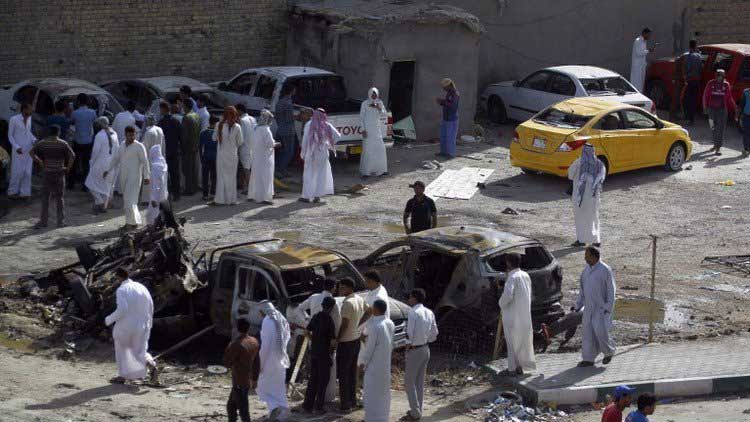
{"points": [[625, 138]]}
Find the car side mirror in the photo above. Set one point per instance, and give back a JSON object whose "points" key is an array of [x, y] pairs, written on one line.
{"points": [[223, 86], [659, 125]]}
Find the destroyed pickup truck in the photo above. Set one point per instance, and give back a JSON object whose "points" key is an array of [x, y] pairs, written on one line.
{"points": [[459, 268], [283, 272]]}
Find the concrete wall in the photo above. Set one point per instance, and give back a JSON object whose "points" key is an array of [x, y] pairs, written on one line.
{"points": [[720, 21], [106, 39], [525, 35], [364, 59]]}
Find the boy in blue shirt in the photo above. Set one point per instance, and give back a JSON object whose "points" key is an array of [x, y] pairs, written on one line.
{"points": [[646, 406], [207, 152], [83, 120]]}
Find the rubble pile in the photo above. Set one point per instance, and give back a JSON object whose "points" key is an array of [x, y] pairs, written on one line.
{"points": [[508, 406], [83, 293]]}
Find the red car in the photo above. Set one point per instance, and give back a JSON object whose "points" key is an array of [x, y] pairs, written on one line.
{"points": [[733, 58]]}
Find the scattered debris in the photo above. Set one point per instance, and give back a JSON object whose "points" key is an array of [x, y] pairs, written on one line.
{"points": [[473, 156], [358, 188], [216, 369], [431, 165], [726, 207], [689, 167], [468, 139], [509, 211], [508, 406], [735, 263], [726, 183], [629, 288], [458, 184]]}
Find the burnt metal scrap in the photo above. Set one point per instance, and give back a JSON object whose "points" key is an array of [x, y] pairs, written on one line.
{"points": [[732, 263], [84, 292]]}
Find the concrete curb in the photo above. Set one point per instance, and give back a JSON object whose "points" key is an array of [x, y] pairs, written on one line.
{"points": [[684, 387]]}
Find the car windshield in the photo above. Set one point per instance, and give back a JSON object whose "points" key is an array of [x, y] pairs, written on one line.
{"points": [[559, 118], [102, 103], [215, 101], [613, 85]]}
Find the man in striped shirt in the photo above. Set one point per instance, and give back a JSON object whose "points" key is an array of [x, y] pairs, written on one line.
{"points": [[56, 157]]}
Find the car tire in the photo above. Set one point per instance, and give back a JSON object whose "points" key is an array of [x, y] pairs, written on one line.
{"points": [[496, 110], [675, 157], [656, 90], [529, 172], [606, 164]]}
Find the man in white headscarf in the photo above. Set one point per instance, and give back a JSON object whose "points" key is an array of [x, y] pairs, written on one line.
{"points": [[159, 192], [597, 299], [274, 361], [99, 182], [375, 361], [228, 136], [133, 320], [515, 304], [638, 59], [152, 134], [260, 186], [318, 140], [132, 161], [587, 173], [374, 161]]}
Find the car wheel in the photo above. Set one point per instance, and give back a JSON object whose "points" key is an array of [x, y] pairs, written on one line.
{"points": [[675, 157], [657, 91], [496, 110], [606, 164]]}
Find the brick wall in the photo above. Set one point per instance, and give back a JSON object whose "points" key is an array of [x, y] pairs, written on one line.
{"points": [[720, 21], [98, 40]]}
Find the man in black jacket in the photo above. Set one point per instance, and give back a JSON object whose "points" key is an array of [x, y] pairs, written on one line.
{"points": [[173, 146], [323, 333]]}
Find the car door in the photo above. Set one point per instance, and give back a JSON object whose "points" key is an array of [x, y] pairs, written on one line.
{"points": [[145, 97], [392, 262], [642, 136], [263, 93], [561, 87], [253, 284], [528, 95], [239, 89], [614, 139]]}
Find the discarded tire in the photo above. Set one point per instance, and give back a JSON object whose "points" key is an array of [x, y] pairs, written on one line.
{"points": [[81, 294]]}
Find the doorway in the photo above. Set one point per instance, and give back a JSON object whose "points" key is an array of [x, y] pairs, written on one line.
{"points": [[401, 89]]}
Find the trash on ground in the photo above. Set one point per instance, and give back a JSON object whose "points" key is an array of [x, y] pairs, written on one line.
{"points": [[216, 369], [404, 130], [508, 406], [431, 165], [726, 183], [509, 211]]}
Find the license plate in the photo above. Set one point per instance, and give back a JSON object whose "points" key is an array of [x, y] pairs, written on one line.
{"points": [[355, 150], [540, 143]]}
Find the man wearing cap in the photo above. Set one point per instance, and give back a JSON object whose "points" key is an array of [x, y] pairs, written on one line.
{"points": [[718, 103], [623, 396], [421, 209]]}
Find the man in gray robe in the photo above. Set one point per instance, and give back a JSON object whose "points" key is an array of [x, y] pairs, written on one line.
{"points": [[597, 299]]}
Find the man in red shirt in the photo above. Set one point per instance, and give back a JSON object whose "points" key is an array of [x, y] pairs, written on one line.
{"points": [[717, 103], [623, 395]]}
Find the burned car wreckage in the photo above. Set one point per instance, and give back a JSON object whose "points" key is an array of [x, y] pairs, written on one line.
{"points": [[459, 267]]}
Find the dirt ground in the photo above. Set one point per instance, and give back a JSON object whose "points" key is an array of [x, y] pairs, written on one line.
{"points": [[691, 214]]}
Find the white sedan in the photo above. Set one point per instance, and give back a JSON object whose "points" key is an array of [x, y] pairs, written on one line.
{"points": [[520, 100]]}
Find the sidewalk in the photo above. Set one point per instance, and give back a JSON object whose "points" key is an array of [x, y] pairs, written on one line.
{"points": [[719, 365]]}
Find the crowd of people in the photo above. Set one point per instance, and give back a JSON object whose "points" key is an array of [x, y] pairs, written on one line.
{"points": [[224, 158]]}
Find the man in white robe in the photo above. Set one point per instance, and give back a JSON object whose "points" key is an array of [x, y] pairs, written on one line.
{"points": [[597, 299], [21, 140], [247, 123], [260, 187], [587, 174], [311, 306], [99, 182], [133, 319], [375, 361], [374, 161], [203, 111], [228, 135], [515, 304], [159, 190], [375, 291], [132, 162], [152, 134], [638, 59], [274, 361], [318, 140], [122, 120]]}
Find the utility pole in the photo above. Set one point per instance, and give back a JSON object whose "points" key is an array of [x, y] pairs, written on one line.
{"points": [[653, 287]]}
